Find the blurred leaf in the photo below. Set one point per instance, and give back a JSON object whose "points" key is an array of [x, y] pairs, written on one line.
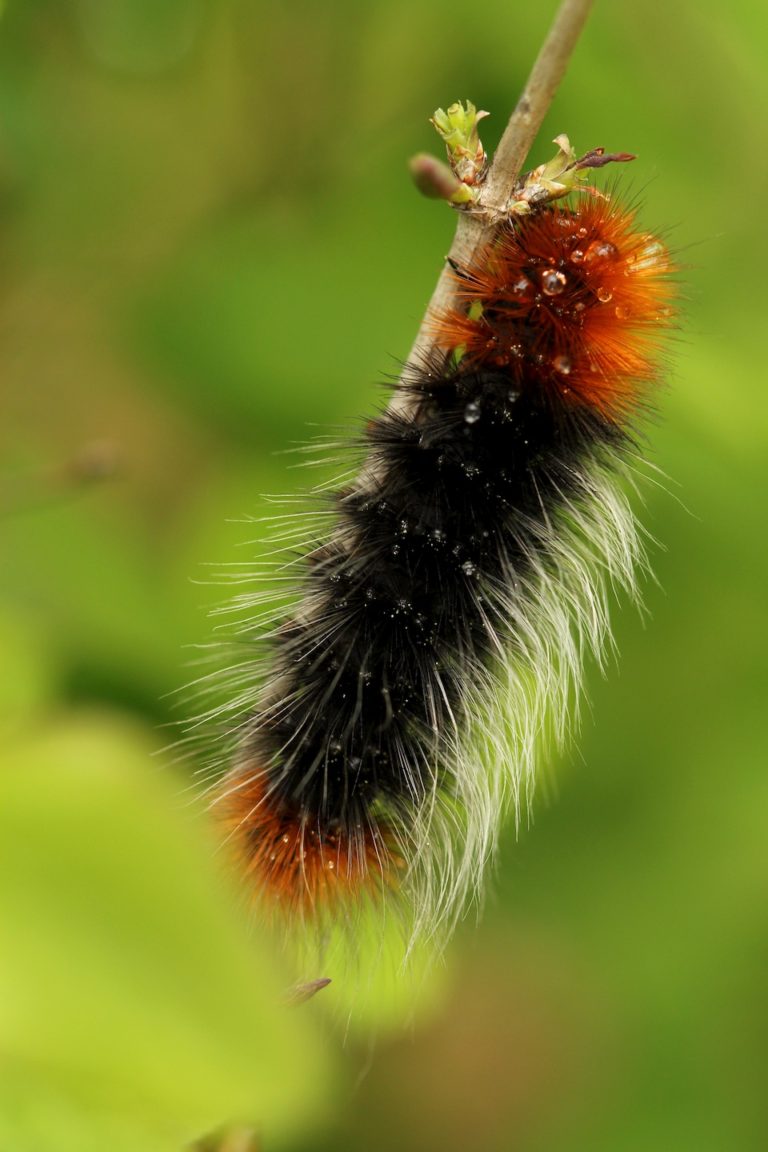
{"points": [[129, 998]]}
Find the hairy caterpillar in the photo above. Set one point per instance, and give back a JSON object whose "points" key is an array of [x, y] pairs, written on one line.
{"points": [[440, 628]]}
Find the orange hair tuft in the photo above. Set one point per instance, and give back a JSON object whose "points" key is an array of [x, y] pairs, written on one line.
{"points": [[568, 298]]}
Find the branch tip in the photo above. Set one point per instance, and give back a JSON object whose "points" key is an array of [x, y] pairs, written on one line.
{"points": [[434, 179], [457, 127]]}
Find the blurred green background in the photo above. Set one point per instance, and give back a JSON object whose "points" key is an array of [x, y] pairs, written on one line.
{"points": [[208, 243]]}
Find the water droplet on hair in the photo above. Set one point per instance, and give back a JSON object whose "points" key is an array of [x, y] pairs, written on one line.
{"points": [[600, 250], [472, 413], [622, 313], [513, 395], [468, 568], [577, 256], [438, 535], [370, 594], [651, 255], [562, 364], [395, 549], [582, 232], [552, 283], [579, 306], [521, 288], [403, 526], [604, 295]]}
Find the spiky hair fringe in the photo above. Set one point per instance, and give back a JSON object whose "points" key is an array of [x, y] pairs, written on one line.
{"points": [[379, 726]]}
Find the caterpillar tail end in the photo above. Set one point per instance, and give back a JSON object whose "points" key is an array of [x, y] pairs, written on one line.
{"points": [[295, 864]]}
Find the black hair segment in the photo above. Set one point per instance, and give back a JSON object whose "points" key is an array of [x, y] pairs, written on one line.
{"points": [[394, 612]]}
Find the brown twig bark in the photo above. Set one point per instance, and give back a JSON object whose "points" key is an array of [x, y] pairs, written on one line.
{"points": [[476, 227]]}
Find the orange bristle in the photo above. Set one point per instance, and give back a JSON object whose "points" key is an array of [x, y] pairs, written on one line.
{"points": [[568, 298], [292, 863]]}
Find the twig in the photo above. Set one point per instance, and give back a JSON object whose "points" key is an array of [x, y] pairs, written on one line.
{"points": [[476, 228]]}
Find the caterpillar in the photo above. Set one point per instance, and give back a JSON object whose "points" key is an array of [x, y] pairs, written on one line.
{"points": [[435, 646]]}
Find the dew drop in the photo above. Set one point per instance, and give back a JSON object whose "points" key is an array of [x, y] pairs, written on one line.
{"points": [[604, 295], [395, 549], [552, 283], [577, 256], [622, 313], [579, 307], [600, 250], [472, 413], [438, 535], [370, 594], [468, 568], [582, 232], [513, 395], [651, 255], [522, 287], [562, 364]]}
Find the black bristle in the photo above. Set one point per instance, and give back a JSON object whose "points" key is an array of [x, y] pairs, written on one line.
{"points": [[459, 483]]}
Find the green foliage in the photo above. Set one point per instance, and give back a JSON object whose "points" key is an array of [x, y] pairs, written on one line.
{"points": [[193, 282], [135, 1013]]}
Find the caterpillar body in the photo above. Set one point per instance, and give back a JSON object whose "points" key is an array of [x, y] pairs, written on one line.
{"points": [[440, 629]]}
